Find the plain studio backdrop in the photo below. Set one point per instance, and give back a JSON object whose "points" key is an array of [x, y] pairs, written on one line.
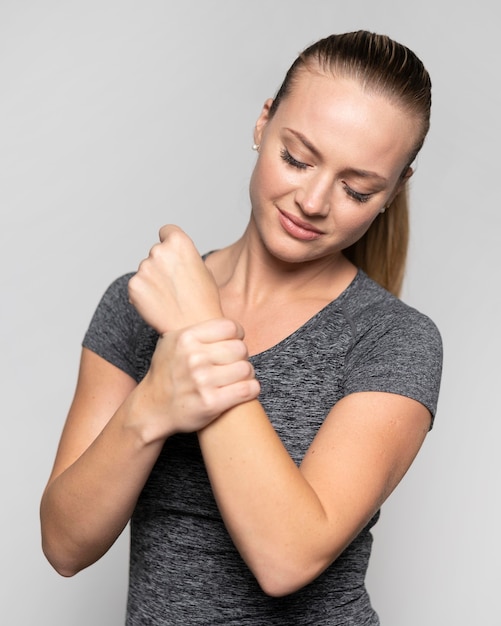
{"points": [[117, 117]]}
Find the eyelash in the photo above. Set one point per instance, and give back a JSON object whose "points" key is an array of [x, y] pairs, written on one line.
{"points": [[290, 160], [359, 197]]}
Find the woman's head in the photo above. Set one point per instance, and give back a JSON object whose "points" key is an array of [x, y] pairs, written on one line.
{"points": [[381, 65], [385, 68]]}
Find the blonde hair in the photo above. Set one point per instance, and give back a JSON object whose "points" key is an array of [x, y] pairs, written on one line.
{"points": [[385, 67]]}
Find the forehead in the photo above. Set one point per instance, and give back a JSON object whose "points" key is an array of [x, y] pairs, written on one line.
{"points": [[337, 114]]}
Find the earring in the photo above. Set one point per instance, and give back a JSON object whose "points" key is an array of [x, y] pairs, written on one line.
{"points": [[255, 147], [383, 209]]}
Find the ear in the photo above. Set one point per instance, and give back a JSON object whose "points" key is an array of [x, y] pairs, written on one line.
{"points": [[401, 184], [408, 173], [262, 120]]}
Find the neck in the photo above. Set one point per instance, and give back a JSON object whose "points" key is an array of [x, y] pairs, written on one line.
{"points": [[247, 271]]}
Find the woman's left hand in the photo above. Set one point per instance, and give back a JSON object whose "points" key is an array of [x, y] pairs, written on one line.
{"points": [[173, 288]]}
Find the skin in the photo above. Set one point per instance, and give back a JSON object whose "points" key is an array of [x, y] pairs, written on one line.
{"points": [[328, 142]]}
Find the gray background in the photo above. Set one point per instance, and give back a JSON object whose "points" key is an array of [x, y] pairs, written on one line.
{"points": [[117, 117]]}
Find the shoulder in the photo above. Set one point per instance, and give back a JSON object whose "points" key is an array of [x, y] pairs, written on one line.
{"points": [[114, 309], [394, 347], [117, 292], [372, 310], [116, 331]]}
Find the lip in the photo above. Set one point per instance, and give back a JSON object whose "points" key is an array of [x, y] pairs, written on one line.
{"points": [[298, 228]]}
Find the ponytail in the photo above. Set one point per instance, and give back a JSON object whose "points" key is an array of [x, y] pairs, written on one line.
{"points": [[381, 253]]}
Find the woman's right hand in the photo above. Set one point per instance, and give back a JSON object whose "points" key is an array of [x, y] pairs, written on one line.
{"points": [[115, 430], [196, 374]]}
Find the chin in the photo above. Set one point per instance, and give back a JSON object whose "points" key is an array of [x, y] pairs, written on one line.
{"points": [[287, 249], [295, 253]]}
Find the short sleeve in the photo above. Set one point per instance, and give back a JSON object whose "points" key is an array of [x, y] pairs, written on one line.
{"points": [[400, 352], [114, 327]]}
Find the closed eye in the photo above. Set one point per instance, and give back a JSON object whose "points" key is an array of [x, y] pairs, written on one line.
{"points": [[359, 197], [290, 160]]}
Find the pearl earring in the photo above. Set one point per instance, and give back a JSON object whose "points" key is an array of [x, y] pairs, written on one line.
{"points": [[255, 147], [383, 209]]}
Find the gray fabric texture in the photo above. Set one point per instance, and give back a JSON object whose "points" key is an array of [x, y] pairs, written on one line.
{"points": [[184, 569]]}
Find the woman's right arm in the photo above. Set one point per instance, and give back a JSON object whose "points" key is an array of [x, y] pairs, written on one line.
{"points": [[115, 431], [99, 470]]}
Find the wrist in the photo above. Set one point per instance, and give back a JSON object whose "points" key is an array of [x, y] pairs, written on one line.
{"points": [[143, 419], [189, 319]]}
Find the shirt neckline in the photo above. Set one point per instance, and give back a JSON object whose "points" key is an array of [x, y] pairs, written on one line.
{"points": [[333, 304]]}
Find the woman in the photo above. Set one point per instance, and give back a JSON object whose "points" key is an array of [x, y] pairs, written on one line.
{"points": [[249, 412]]}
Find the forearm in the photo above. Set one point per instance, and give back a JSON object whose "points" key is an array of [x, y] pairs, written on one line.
{"points": [[273, 514], [86, 507], [93, 488]]}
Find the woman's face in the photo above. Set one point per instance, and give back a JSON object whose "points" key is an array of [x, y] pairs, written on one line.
{"points": [[330, 159]]}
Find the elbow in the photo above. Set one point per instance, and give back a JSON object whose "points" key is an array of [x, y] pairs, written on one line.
{"points": [[276, 589], [66, 556], [63, 566], [283, 579], [64, 561], [59, 565], [279, 586], [52, 545], [64, 571]]}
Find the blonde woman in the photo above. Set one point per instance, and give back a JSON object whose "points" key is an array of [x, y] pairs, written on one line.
{"points": [[250, 411]]}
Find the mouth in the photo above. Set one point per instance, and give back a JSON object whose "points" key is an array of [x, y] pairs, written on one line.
{"points": [[297, 228]]}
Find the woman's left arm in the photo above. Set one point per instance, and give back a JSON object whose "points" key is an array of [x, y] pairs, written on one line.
{"points": [[289, 523]]}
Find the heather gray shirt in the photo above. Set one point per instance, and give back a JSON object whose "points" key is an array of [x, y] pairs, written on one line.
{"points": [[184, 569]]}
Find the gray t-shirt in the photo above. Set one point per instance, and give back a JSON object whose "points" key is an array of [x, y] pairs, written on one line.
{"points": [[184, 568]]}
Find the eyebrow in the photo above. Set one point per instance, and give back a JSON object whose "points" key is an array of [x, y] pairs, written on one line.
{"points": [[353, 171]]}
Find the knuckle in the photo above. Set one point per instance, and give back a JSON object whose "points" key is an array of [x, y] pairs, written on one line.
{"points": [[209, 403], [187, 339], [143, 270], [156, 251], [194, 366], [133, 287], [184, 346], [200, 376], [244, 354]]}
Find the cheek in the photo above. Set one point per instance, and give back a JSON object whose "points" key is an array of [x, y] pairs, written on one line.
{"points": [[268, 180], [355, 223]]}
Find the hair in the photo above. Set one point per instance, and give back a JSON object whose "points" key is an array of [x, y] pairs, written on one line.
{"points": [[388, 68]]}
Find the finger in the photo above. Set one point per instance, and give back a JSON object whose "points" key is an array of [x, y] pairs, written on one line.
{"points": [[228, 329], [134, 286], [217, 329], [215, 376], [175, 236], [155, 251], [226, 352], [166, 230], [225, 398]]}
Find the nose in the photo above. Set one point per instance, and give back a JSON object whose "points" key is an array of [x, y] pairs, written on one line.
{"points": [[314, 196]]}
